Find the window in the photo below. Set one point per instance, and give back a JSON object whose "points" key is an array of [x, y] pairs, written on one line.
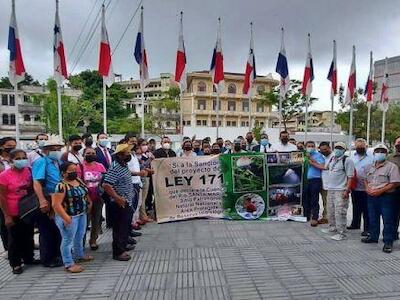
{"points": [[260, 89], [201, 122], [232, 89], [201, 87], [198, 122], [231, 106], [214, 123], [260, 108], [245, 105], [244, 124], [201, 104], [12, 119], [215, 105], [27, 99], [204, 122], [186, 123], [27, 118], [37, 118], [12, 100], [231, 123], [214, 89], [4, 100], [168, 124], [5, 119]]}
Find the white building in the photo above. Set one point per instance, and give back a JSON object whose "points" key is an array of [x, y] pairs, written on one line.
{"points": [[393, 79]]}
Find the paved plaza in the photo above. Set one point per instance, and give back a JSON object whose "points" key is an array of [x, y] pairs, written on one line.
{"points": [[217, 259]]}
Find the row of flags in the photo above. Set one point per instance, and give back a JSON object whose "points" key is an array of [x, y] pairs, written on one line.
{"points": [[17, 68]]}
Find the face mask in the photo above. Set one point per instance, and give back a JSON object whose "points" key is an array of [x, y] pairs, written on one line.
{"points": [[187, 148], [166, 146], [379, 157], [103, 142], [228, 147], [56, 155], [127, 158], [284, 141], [8, 150], [216, 151], [145, 148], [196, 150], [360, 151], [397, 147], [41, 143], [89, 142], [264, 142], [76, 148], [90, 158], [20, 164], [72, 176], [237, 148], [249, 140], [310, 150], [338, 152]]}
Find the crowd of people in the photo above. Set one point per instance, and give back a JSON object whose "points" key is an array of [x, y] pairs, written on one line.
{"points": [[61, 191]]}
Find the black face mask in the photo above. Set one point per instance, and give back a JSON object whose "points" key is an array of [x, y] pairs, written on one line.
{"points": [[249, 140], [187, 148], [90, 158], [284, 141], [8, 150], [216, 151], [127, 158], [76, 148], [360, 151], [397, 147], [72, 176], [237, 147], [196, 150]]}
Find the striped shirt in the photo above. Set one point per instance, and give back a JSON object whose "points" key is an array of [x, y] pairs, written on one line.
{"points": [[119, 177]]}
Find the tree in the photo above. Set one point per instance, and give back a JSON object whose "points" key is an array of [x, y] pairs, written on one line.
{"points": [[6, 84], [292, 105], [74, 111]]}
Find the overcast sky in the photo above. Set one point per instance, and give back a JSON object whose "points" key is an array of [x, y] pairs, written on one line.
{"points": [[368, 24]]}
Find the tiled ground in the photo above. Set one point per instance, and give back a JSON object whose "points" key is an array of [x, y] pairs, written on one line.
{"points": [[215, 259]]}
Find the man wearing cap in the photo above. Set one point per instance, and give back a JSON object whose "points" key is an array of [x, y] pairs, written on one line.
{"points": [[338, 184], [381, 181], [46, 175], [118, 185]]}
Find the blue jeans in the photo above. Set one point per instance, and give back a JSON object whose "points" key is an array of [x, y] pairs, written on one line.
{"points": [[381, 206], [311, 207], [72, 238]]}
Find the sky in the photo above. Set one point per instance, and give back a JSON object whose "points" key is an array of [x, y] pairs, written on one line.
{"points": [[367, 24]]}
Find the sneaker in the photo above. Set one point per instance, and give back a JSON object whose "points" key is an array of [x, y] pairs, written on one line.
{"points": [[368, 240], [339, 237], [387, 248], [314, 223], [123, 257], [364, 233], [352, 227], [328, 230]]}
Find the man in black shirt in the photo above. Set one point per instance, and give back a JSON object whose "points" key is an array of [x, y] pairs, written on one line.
{"points": [[165, 150]]}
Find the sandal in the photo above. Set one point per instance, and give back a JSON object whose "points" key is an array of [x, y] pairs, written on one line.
{"points": [[74, 269], [17, 270], [86, 258]]}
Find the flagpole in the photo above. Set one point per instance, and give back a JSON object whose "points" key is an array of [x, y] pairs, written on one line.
{"points": [[332, 118], [181, 113], [368, 122], [306, 118], [351, 122], [383, 126], [59, 109], [280, 111], [217, 112], [250, 114], [104, 106], [17, 134], [142, 91]]}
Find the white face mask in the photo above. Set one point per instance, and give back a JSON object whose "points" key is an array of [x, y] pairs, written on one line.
{"points": [[166, 146]]}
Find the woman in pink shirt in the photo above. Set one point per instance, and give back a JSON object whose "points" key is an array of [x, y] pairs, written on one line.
{"points": [[93, 174], [15, 183]]}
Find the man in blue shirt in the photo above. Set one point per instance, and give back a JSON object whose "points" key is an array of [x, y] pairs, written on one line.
{"points": [[314, 183], [362, 161], [46, 175]]}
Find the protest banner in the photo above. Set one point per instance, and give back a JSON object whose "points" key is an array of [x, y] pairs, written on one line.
{"points": [[186, 188]]}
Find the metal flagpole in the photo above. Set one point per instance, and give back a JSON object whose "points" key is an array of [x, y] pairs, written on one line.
{"points": [[280, 111], [59, 109], [383, 126], [142, 90], [332, 118], [181, 114], [17, 135], [368, 123], [306, 119], [217, 112], [351, 122], [104, 106], [249, 114]]}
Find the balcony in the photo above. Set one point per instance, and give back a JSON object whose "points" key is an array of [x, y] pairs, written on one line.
{"points": [[29, 108]]}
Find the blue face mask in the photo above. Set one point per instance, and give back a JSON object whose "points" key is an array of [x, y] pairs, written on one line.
{"points": [[41, 143], [55, 155], [338, 152], [20, 164], [379, 157], [264, 142], [311, 150], [103, 142]]}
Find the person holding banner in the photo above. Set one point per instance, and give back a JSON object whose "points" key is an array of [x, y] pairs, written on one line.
{"points": [[395, 158], [264, 146], [165, 150], [284, 145], [187, 149], [383, 177]]}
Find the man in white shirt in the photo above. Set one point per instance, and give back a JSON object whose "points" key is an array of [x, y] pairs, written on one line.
{"points": [[37, 152], [284, 145]]}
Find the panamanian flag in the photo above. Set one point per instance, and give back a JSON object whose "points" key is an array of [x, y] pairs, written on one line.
{"points": [[180, 68], [332, 75], [60, 65], [105, 62], [250, 72], [17, 69], [384, 101], [140, 55], [308, 73], [282, 69], [217, 62], [351, 83], [369, 87]]}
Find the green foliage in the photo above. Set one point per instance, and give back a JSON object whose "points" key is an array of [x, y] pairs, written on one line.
{"points": [[257, 130], [292, 105], [124, 125], [6, 84]]}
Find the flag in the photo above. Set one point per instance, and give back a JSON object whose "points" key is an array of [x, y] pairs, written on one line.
{"points": [[140, 55], [105, 62], [384, 101], [250, 73], [282, 69], [60, 65], [369, 87], [217, 62], [17, 69], [180, 69], [332, 75], [308, 73], [351, 83]]}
